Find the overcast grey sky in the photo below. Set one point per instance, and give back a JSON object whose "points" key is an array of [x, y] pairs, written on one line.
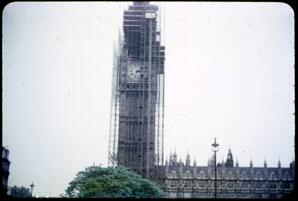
{"points": [[229, 74]]}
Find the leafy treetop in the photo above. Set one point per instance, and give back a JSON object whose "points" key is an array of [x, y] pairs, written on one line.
{"points": [[111, 182], [20, 192]]}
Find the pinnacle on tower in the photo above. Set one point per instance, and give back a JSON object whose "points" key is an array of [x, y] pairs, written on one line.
{"points": [[175, 156], [265, 163], [187, 161], [250, 163], [230, 161]]}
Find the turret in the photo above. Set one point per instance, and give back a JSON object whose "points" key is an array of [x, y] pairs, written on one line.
{"points": [[187, 161], [292, 167], [180, 162], [237, 163], [195, 163], [180, 167], [194, 167], [250, 164], [292, 164], [279, 169], [230, 161], [265, 164], [171, 160], [237, 169], [251, 169], [265, 171], [175, 157], [167, 167]]}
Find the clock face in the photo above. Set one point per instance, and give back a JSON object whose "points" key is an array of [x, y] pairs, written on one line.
{"points": [[133, 71]]}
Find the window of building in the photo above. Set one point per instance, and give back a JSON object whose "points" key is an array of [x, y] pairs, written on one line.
{"points": [[173, 183], [188, 184], [187, 174], [272, 186], [202, 183], [287, 185], [230, 184]]}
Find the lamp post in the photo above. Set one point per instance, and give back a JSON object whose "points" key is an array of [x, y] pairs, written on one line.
{"points": [[215, 149], [32, 186]]}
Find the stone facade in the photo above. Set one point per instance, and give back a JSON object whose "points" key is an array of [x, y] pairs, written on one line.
{"points": [[183, 180]]}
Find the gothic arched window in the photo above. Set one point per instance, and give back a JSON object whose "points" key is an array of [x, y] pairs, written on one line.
{"points": [[272, 176], [230, 175], [223, 173], [187, 174], [202, 175], [258, 176], [243, 175], [173, 174], [286, 177]]}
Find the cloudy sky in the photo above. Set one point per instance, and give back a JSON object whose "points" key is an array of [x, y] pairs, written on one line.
{"points": [[229, 74]]}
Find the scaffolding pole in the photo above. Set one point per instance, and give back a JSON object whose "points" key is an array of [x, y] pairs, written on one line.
{"points": [[113, 113], [114, 107], [149, 101], [163, 98]]}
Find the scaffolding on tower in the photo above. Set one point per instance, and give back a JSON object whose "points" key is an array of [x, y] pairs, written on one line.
{"points": [[148, 126]]}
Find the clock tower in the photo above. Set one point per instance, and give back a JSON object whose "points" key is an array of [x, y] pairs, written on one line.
{"points": [[136, 134]]}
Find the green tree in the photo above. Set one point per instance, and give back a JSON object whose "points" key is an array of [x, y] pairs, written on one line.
{"points": [[20, 192], [111, 182]]}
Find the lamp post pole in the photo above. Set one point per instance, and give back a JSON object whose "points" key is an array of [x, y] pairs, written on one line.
{"points": [[215, 149], [32, 186]]}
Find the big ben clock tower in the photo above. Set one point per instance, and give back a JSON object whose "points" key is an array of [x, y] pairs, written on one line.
{"points": [[136, 135]]}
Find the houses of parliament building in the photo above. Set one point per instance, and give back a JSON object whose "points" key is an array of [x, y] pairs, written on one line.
{"points": [[136, 137], [186, 180]]}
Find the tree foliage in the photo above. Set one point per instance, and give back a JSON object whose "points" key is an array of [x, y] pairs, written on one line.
{"points": [[111, 182], [20, 192]]}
